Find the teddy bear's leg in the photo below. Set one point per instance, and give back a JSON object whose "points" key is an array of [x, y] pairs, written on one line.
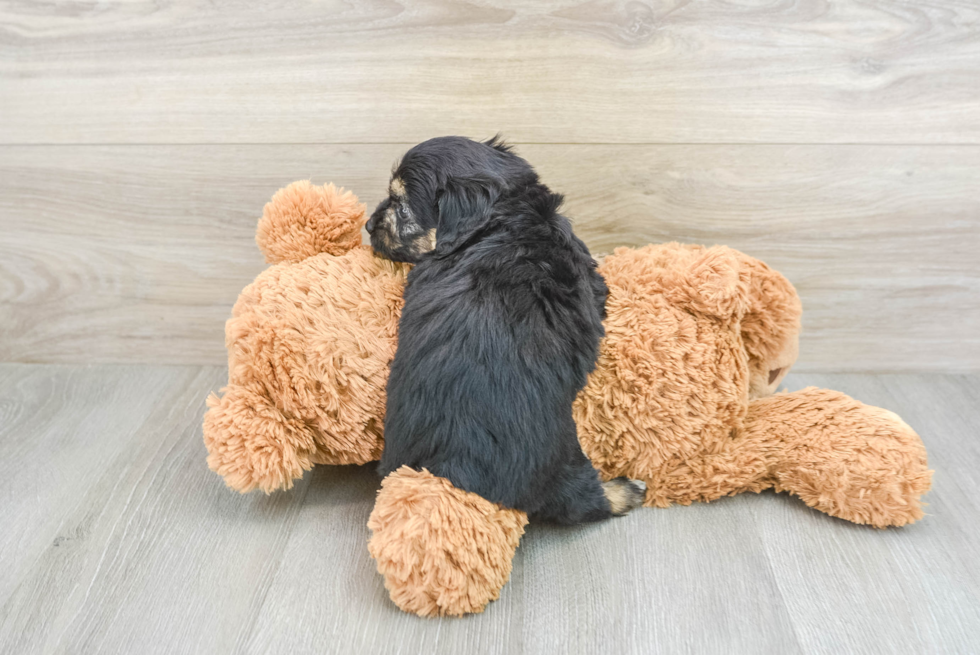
{"points": [[252, 445], [441, 550], [845, 458]]}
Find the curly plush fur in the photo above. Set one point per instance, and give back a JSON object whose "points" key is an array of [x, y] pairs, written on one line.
{"points": [[697, 340], [309, 344], [442, 550]]}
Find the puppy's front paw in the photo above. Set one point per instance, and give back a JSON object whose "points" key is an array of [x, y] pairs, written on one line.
{"points": [[623, 495]]}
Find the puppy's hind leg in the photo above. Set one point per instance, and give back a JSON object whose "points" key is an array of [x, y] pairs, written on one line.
{"points": [[623, 495], [576, 495]]}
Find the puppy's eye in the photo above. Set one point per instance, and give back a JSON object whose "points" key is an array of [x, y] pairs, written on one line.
{"points": [[402, 212]]}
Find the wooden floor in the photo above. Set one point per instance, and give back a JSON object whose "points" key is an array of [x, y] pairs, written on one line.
{"points": [[838, 140], [117, 539]]}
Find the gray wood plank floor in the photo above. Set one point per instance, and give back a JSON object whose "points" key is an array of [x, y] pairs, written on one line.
{"points": [[116, 538]]}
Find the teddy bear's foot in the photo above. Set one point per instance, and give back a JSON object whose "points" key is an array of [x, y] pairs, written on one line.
{"points": [[442, 551], [845, 458], [252, 445]]}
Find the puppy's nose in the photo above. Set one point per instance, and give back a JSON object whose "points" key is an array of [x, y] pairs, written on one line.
{"points": [[372, 223]]}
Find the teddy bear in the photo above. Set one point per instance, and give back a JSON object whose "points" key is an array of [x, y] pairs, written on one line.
{"points": [[682, 398]]}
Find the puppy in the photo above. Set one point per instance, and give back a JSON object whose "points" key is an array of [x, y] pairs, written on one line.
{"points": [[501, 325]]}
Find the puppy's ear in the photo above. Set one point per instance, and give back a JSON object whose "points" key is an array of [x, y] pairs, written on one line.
{"points": [[464, 207], [497, 143]]}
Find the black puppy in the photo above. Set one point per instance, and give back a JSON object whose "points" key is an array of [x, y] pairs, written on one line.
{"points": [[501, 325]]}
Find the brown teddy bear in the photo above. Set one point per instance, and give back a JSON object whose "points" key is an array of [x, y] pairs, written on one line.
{"points": [[697, 340]]}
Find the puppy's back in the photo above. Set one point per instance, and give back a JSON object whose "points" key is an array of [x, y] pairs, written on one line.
{"points": [[496, 339]]}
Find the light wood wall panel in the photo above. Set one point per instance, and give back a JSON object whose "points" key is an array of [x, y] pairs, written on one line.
{"points": [[619, 71], [136, 253]]}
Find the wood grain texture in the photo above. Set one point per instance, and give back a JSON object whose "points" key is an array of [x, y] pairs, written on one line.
{"points": [[615, 71], [150, 553], [840, 584], [137, 253], [49, 421], [127, 543], [328, 591]]}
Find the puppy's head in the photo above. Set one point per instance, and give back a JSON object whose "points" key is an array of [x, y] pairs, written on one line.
{"points": [[443, 190]]}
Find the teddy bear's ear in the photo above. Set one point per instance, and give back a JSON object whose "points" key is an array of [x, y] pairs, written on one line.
{"points": [[717, 284], [304, 219]]}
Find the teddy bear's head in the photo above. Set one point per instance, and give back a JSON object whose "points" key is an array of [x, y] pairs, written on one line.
{"points": [[692, 335], [770, 327]]}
